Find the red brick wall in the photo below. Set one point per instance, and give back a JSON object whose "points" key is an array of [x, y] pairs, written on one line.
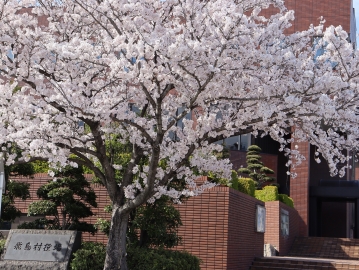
{"points": [[205, 227], [299, 187], [238, 159], [219, 228], [309, 11], [40, 179], [273, 233], [244, 243]]}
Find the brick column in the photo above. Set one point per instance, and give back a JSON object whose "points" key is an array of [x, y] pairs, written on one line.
{"points": [[299, 187]]}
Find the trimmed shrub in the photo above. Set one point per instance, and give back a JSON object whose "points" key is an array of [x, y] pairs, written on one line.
{"points": [[286, 200], [255, 168], [2, 245], [91, 256], [247, 186], [154, 259], [270, 193], [267, 194], [234, 183]]}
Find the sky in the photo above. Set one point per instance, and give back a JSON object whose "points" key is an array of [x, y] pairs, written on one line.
{"points": [[356, 6]]}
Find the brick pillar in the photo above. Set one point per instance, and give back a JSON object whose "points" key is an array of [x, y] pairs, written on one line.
{"points": [[299, 187]]}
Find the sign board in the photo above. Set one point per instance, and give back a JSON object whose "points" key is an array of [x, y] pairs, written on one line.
{"points": [[260, 218], [39, 249]]}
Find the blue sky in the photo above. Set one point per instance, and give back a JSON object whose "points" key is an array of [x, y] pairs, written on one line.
{"points": [[356, 6]]}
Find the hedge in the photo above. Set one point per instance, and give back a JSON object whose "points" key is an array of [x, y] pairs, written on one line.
{"points": [[267, 194], [155, 259], [247, 186], [91, 256], [2, 245], [234, 182], [270, 193], [285, 199]]}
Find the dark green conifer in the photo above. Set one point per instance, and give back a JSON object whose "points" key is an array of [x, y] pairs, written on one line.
{"points": [[255, 168]]}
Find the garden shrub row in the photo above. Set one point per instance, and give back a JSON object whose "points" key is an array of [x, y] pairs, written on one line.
{"points": [[154, 259], [286, 200], [270, 193], [247, 186], [2, 245], [91, 256], [266, 194]]}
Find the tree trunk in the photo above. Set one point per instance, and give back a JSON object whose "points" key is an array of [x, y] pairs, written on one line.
{"points": [[116, 246]]}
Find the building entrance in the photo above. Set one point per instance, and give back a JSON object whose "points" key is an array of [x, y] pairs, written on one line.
{"points": [[334, 208]]}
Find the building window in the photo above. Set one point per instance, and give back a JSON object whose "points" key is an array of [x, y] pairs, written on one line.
{"points": [[284, 222], [240, 142], [260, 219]]}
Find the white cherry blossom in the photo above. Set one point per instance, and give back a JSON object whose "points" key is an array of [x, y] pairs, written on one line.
{"points": [[67, 64]]}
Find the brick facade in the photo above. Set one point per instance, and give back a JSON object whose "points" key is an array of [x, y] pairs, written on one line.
{"points": [[219, 228], [308, 12], [273, 233], [40, 179], [244, 243], [299, 187]]}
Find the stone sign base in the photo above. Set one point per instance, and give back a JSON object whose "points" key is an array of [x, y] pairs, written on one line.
{"points": [[39, 249]]}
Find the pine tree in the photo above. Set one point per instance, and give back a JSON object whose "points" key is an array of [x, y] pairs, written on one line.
{"points": [[64, 201], [255, 168], [14, 189]]}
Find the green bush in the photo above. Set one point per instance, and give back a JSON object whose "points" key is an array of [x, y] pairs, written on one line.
{"points": [[154, 259], [247, 186], [91, 256], [285, 199], [267, 194], [270, 193], [2, 245], [234, 182]]}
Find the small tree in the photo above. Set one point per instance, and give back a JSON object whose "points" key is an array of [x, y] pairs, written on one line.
{"points": [[157, 225], [255, 168], [64, 201], [14, 189], [151, 225]]}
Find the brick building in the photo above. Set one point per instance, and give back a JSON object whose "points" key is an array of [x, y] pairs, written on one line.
{"points": [[311, 189], [319, 198]]}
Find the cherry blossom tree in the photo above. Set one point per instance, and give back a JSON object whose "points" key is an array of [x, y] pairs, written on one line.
{"points": [[78, 74]]}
